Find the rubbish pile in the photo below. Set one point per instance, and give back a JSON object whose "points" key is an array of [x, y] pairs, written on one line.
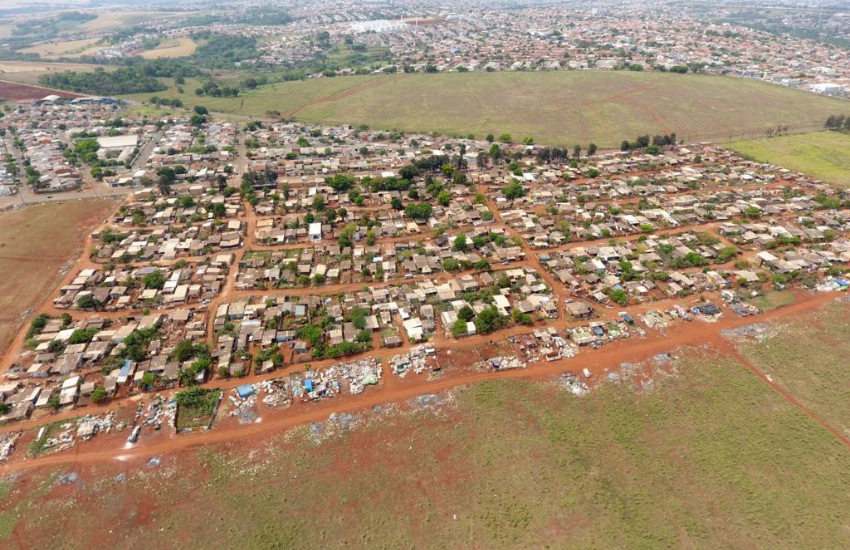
{"points": [[159, 411], [88, 426], [428, 401], [501, 362], [573, 384], [61, 442], [833, 284], [7, 445], [330, 381], [757, 331], [657, 319], [418, 359]]}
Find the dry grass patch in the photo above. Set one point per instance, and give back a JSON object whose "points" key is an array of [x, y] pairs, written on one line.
{"points": [[35, 243]]}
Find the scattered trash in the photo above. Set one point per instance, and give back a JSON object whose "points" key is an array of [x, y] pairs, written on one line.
{"points": [[67, 479]]}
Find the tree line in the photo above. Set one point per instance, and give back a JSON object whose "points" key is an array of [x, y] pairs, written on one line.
{"points": [[840, 123], [652, 146], [143, 78]]}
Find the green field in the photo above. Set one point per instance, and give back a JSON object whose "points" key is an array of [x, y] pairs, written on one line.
{"points": [[710, 458], [809, 359], [563, 108], [823, 155]]}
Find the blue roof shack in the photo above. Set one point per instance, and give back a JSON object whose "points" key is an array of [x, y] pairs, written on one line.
{"points": [[308, 385], [245, 391]]}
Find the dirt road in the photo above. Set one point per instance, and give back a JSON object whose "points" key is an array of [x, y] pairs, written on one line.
{"points": [[598, 362]]}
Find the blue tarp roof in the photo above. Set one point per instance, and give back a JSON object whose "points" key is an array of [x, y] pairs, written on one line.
{"points": [[308, 385], [125, 368], [245, 390]]}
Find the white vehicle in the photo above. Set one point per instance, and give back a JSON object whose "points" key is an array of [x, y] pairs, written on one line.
{"points": [[586, 373], [134, 435]]}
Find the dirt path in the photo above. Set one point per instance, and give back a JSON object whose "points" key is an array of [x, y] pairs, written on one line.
{"points": [[598, 362], [731, 350]]}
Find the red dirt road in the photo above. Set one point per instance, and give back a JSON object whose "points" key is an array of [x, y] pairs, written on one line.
{"points": [[393, 390]]}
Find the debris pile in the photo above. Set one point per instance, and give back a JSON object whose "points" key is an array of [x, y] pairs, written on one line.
{"points": [[418, 359], [574, 385], [501, 362], [7, 445]]}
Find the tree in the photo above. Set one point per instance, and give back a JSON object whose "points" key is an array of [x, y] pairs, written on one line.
{"points": [[99, 395], [466, 314], [489, 320], [319, 203], [576, 151], [459, 328], [340, 182], [506, 138], [346, 236], [444, 198], [88, 302], [460, 244], [490, 138], [201, 110], [155, 279], [418, 210], [591, 149], [619, 296], [513, 191]]}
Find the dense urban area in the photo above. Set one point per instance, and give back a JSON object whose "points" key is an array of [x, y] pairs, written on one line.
{"points": [[264, 268]]}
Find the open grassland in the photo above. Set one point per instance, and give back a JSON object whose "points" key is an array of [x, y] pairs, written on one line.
{"points": [[809, 359], [823, 155], [711, 458], [28, 72], [68, 48], [176, 47], [283, 97], [564, 108], [35, 243], [118, 19]]}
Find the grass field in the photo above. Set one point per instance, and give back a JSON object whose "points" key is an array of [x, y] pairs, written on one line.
{"points": [[773, 299], [28, 72], [68, 48], [563, 108], [35, 242], [823, 155], [809, 359], [711, 458], [118, 19], [177, 47]]}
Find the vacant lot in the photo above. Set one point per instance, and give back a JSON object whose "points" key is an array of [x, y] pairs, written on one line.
{"points": [[35, 243], [557, 107], [809, 359], [823, 155], [710, 458], [177, 47]]}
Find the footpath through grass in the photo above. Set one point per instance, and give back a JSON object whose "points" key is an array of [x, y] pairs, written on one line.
{"points": [[822, 155]]}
